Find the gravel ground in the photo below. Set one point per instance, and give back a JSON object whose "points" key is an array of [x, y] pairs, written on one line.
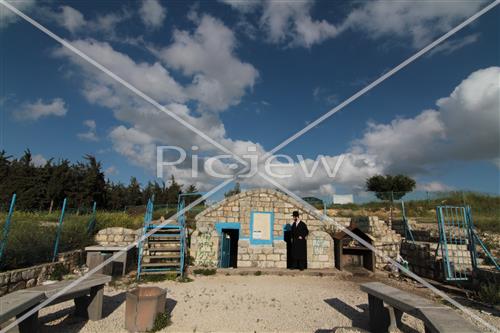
{"points": [[241, 304]]}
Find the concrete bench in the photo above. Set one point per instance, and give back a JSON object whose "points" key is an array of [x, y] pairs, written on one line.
{"points": [[437, 318], [88, 297]]}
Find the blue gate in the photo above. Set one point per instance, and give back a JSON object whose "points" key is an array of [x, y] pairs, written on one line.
{"points": [[457, 242]]}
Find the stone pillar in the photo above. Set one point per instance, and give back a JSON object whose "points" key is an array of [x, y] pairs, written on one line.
{"points": [[320, 250]]}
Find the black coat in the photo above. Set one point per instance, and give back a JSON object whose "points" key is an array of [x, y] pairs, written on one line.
{"points": [[299, 246]]}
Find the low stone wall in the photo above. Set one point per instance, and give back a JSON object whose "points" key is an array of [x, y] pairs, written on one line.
{"points": [[424, 261], [386, 240], [320, 250], [32, 276], [117, 236], [262, 256]]}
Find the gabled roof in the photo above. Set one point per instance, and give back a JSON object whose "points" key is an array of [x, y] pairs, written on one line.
{"points": [[279, 195]]}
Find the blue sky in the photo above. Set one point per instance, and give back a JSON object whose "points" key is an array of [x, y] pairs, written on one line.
{"points": [[254, 73]]}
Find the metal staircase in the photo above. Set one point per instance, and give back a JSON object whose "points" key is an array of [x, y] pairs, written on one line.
{"points": [[163, 249]]}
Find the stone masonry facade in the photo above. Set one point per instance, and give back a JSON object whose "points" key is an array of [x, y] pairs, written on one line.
{"points": [[238, 210]]}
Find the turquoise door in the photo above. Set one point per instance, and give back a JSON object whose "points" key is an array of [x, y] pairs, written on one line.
{"points": [[225, 250]]}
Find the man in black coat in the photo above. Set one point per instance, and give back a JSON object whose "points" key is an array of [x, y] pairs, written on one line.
{"points": [[299, 243]]}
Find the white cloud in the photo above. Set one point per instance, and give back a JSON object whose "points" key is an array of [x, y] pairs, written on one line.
{"points": [[38, 160], [7, 16], [433, 187], [39, 109], [422, 21], [111, 170], [452, 45], [75, 22], [291, 23], [219, 78], [288, 22], [153, 79], [152, 13], [463, 127], [72, 19], [91, 133]]}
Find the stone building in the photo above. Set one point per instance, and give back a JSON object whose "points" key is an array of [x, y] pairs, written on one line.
{"points": [[250, 230]]}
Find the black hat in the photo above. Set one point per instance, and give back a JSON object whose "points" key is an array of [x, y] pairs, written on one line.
{"points": [[295, 213]]}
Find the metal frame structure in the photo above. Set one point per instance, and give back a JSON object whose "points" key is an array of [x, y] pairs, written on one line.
{"points": [[92, 220], [406, 224], [148, 216], [59, 229], [456, 228]]}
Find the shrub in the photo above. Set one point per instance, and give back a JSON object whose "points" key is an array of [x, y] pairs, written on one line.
{"points": [[162, 320], [257, 273], [58, 273], [205, 271], [490, 293]]}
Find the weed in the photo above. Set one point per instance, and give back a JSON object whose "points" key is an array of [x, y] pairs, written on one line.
{"points": [[205, 271], [184, 279], [162, 320], [58, 272], [490, 293], [159, 277]]}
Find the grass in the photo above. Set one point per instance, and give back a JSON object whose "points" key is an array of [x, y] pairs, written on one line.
{"points": [[159, 277], [162, 320], [205, 271], [489, 293], [485, 208], [32, 234]]}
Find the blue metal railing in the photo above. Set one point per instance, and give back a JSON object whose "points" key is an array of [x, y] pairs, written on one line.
{"points": [[6, 226], [148, 216], [456, 228], [59, 229]]}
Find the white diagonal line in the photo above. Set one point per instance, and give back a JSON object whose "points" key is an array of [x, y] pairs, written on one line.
{"points": [[120, 80], [382, 78], [114, 256], [324, 217]]}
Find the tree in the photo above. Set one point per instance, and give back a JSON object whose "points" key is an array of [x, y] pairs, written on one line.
{"points": [[236, 190], [134, 194], [173, 191], [390, 187]]}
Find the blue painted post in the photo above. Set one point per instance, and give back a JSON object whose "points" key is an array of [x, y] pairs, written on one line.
{"points": [[91, 225], [59, 228], [6, 226]]}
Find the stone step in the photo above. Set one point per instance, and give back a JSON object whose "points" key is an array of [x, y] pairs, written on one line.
{"points": [[163, 264]]}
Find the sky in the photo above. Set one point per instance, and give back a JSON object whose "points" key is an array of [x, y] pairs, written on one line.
{"points": [[252, 74]]}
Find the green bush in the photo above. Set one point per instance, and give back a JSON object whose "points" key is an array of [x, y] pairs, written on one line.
{"points": [[205, 271], [59, 271], [490, 293], [31, 242], [162, 320]]}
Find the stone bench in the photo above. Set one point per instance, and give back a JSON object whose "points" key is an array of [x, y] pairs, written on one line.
{"points": [[88, 297], [437, 318], [98, 253]]}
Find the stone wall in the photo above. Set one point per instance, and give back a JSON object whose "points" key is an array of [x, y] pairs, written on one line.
{"points": [[320, 250], [424, 261], [117, 236], [32, 276], [238, 209], [262, 256], [205, 247], [386, 240]]}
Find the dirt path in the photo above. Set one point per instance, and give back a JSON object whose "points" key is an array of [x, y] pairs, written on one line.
{"points": [[240, 304]]}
